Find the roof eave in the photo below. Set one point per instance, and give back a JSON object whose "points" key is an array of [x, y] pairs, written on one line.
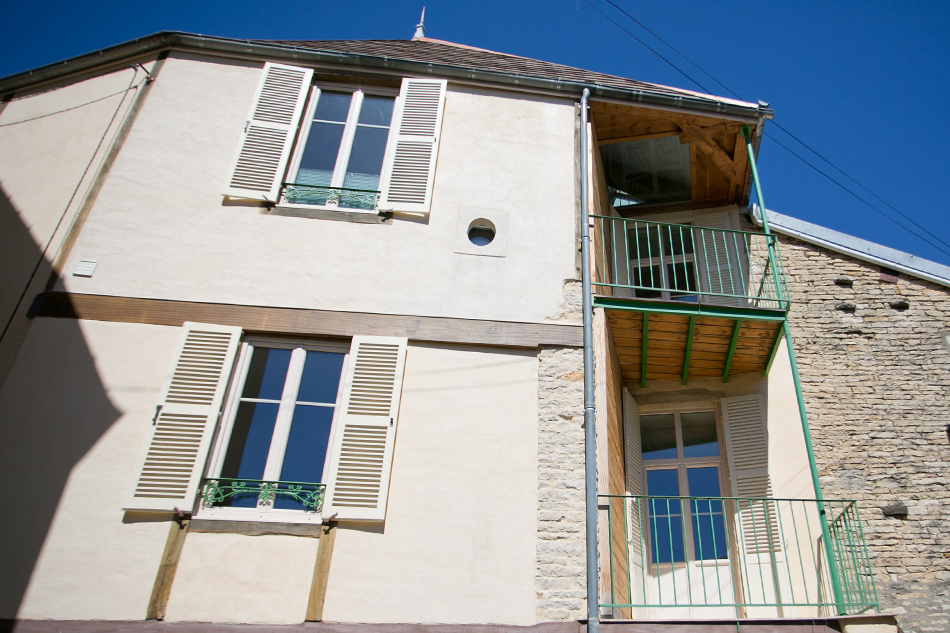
{"points": [[189, 41]]}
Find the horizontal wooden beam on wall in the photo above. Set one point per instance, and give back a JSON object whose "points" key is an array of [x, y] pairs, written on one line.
{"points": [[303, 322]]}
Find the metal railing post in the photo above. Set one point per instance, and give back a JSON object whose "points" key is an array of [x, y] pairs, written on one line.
{"points": [[813, 467]]}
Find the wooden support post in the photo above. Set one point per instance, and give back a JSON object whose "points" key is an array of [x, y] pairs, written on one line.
{"points": [[643, 351], [779, 332], [321, 572], [689, 347], [166, 570], [732, 349]]}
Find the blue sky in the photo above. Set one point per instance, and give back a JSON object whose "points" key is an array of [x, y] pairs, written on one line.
{"points": [[865, 83]]}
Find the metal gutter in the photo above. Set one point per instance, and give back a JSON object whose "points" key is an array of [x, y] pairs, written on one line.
{"points": [[855, 247], [189, 41]]}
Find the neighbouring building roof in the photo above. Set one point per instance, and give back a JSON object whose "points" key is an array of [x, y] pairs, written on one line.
{"points": [[420, 57], [855, 247]]}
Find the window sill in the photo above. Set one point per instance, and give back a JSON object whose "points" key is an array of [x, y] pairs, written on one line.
{"points": [[329, 213], [259, 516], [255, 528]]}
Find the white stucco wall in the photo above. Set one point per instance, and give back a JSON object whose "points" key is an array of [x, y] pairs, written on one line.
{"points": [[242, 579], [74, 412], [160, 228], [458, 544]]}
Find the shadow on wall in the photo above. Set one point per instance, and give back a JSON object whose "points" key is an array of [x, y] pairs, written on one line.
{"points": [[53, 409]]}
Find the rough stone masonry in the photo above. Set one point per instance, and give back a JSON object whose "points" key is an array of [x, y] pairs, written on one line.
{"points": [[876, 381]]}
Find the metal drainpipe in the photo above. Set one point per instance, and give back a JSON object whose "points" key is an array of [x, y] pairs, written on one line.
{"points": [[813, 467], [590, 454]]}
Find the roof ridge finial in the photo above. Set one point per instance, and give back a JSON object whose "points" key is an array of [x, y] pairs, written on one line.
{"points": [[421, 28]]}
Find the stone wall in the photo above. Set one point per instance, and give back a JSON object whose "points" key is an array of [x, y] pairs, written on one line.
{"points": [[561, 554], [876, 381]]}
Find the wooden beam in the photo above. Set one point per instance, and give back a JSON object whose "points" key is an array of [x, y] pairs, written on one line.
{"points": [[166, 569], [722, 160], [305, 322], [740, 163], [623, 126], [689, 347], [643, 350], [773, 351], [321, 573], [732, 349], [641, 137]]}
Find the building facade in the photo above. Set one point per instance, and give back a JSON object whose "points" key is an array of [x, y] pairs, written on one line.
{"points": [[294, 333]]}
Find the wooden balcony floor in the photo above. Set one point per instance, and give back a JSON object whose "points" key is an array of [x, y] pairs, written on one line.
{"points": [[667, 336]]}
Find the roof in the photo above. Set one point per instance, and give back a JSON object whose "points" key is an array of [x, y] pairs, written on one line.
{"points": [[855, 247], [432, 51], [424, 56]]}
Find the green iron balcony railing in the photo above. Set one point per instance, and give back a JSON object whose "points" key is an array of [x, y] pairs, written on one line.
{"points": [[342, 197], [731, 557], [219, 492], [677, 262]]}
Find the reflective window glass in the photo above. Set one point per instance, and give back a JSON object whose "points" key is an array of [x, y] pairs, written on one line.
{"points": [[699, 434], [709, 531], [665, 517], [658, 436]]}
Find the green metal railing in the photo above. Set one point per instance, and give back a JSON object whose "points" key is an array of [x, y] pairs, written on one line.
{"points": [[734, 557], [677, 262], [342, 197], [219, 492]]}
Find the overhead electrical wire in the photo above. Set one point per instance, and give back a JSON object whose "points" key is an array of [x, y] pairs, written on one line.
{"points": [[780, 127]]}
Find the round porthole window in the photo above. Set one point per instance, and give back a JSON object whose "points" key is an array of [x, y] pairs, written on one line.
{"points": [[481, 232]]}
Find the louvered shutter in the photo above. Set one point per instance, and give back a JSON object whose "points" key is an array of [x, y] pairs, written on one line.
{"points": [[720, 259], [261, 158], [361, 453], [409, 168], [632, 453], [747, 449], [173, 458]]}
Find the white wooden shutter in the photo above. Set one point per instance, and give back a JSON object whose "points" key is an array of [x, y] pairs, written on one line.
{"points": [[268, 137], [633, 453], [173, 458], [747, 449], [409, 168], [719, 259], [361, 451]]}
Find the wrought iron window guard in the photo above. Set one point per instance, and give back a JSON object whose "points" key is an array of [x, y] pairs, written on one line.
{"points": [[217, 492], [342, 197], [740, 554]]}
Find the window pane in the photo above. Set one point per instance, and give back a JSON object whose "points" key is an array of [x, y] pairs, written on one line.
{"points": [[321, 378], [658, 437], [333, 106], [699, 434], [319, 157], [376, 111], [250, 442], [665, 517], [366, 158], [677, 240], [682, 276], [306, 449], [709, 532], [267, 373]]}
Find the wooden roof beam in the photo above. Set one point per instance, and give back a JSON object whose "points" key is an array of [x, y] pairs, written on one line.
{"points": [[722, 160]]}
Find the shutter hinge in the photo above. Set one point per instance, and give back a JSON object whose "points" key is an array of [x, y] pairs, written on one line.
{"points": [[390, 423], [158, 409], [247, 124]]}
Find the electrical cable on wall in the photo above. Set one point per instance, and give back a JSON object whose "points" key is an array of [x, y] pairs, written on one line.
{"points": [[783, 129], [132, 86]]}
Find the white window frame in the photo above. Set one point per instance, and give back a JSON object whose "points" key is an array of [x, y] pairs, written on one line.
{"points": [[681, 464], [281, 426], [346, 142]]}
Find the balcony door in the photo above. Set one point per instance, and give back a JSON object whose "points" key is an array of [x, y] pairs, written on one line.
{"points": [[687, 549]]}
